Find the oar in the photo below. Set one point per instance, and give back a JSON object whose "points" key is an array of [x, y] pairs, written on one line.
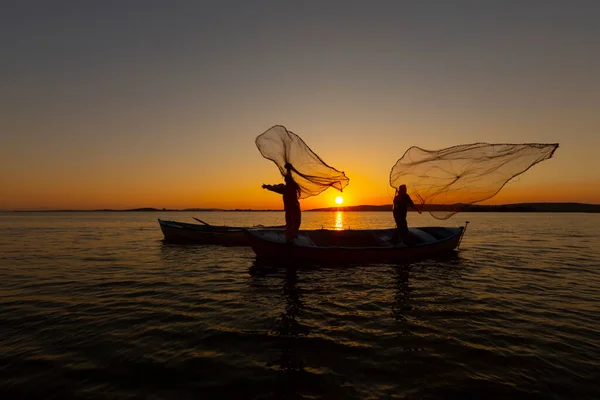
{"points": [[199, 220]]}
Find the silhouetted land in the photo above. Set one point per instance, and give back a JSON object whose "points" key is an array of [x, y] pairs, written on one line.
{"points": [[150, 209], [519, 207]]}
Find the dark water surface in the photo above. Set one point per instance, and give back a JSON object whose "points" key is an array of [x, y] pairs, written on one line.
{"points": [[96, 305]]}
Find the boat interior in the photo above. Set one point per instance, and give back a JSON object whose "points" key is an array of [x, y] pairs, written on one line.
{"points": [[368, 238]]}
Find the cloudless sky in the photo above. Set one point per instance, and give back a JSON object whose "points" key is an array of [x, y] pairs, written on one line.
{"points": [[123, 104]]}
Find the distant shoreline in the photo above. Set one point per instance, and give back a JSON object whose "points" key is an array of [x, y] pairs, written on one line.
{"points": [[519, 207]]}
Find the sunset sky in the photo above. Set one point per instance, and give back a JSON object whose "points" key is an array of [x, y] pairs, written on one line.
{"points": [[124, 104]]}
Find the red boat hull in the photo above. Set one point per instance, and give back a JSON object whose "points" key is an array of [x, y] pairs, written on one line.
{"points": [[272, 250]]}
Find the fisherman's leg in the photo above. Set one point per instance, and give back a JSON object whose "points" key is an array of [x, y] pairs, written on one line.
{"points": [[397, 231], [293, 226], [289, 228], [296, 221], [288, 218], [395, 236], [403, 230]]}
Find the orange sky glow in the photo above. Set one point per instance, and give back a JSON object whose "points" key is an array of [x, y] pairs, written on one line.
{"points": [[121, 107]]}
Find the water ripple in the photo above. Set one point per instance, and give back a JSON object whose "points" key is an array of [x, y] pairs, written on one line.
{"points": [[96, 306]]}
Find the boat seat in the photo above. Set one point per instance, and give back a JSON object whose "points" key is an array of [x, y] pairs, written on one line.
{"points": [[423, 237], [304, 240], [384, 239]]}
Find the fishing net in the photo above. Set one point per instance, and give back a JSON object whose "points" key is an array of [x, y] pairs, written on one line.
{"points": [[447, 180], [311, 173]]}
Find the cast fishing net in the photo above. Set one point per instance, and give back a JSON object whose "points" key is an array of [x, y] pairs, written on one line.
{"points": [[462, 175], [310, 172]]}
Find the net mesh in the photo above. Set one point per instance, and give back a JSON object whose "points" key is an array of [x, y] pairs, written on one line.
{"points": [[310, 172], [447, 180]]}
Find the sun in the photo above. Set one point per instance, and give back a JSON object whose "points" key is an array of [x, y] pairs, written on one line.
{"points": [[339, 200]]}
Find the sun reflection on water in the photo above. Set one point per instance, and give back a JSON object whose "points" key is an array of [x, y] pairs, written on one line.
{"points": [[339, 220]]}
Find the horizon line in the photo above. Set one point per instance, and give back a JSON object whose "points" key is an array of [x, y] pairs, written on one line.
{"points": [[335, 208]]}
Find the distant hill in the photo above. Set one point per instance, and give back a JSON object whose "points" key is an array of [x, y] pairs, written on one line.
{"points": [[519, 207], [143, 209], [201, 209], [385, 207], [538, 207]]}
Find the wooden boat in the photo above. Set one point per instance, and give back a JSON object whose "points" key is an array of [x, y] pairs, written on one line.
{"points": [[175, 231], [358, 246], [205, 233]]}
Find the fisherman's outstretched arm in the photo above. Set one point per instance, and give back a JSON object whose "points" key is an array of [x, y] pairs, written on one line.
{"points": [[275, 188], [419, 208]]}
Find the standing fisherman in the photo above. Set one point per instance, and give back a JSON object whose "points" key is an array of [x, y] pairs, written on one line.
{"points": [[401, 203], [291, 193]]}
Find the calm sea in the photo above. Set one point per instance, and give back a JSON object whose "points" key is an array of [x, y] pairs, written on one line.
{"points": [[96, 305]]}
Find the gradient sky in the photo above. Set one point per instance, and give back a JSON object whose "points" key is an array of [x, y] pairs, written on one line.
{"points": [[122, 104]]}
